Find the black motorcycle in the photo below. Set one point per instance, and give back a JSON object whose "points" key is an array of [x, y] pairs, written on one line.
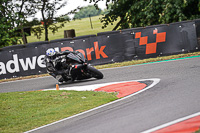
{"points": [[76, 68]]}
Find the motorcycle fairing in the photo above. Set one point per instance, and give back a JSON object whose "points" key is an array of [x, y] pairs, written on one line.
{"points": [[81, 57], [73, 57]]}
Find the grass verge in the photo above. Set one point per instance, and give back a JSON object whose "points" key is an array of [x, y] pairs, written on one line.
{"points": [[22, 111]]}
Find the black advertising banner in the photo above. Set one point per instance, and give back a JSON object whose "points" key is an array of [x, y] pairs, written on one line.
{"points": [[182, 37], [93, 51], [5, 64], [106, 47], [96, 49], [114, 47], [197, 25], [22, 62], [129, 45], [158, 40]]}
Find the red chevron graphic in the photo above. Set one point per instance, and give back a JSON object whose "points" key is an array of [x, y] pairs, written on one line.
{"points": [[151, 47]]}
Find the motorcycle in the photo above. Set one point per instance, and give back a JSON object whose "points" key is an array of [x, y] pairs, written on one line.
{"points": [[76, 67]]}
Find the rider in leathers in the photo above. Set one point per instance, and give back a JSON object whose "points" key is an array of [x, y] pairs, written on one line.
{"points": [[56, 65]]}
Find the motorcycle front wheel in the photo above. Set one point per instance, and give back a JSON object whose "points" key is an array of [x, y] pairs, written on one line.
{"points": [[94, 72]]}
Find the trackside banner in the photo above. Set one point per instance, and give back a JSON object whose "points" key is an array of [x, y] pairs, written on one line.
{"points": [[106, 47]]}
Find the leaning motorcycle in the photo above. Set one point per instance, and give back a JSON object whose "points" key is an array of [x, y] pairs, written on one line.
{"points": [[77, 68]]}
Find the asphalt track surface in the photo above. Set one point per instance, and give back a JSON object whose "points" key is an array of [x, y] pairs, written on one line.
{"points": [[175, 96]]}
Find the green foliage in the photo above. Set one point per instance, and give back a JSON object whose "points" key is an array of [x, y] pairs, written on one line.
{"points": [[87, 11], [33, 22], [48, 10], [65, 17], [7, 35], [14, 14], [37, 31], [106, 11], [12, 17], [134, 13]]}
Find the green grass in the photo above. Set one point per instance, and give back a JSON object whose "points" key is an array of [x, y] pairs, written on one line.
{"points": [[82, 27], [22, 111]]}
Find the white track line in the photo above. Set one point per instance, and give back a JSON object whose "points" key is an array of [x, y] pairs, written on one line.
{"points": [[155, 81], [171, 123]]}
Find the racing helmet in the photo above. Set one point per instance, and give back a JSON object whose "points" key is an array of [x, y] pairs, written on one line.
{"points": [[51, 53]]}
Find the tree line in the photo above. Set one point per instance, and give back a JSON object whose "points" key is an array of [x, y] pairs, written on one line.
{"points": [[140, 13], [128, 13], [14, 15]]}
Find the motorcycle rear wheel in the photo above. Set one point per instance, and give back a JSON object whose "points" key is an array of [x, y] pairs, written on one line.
{"points": [[94, 72]]}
